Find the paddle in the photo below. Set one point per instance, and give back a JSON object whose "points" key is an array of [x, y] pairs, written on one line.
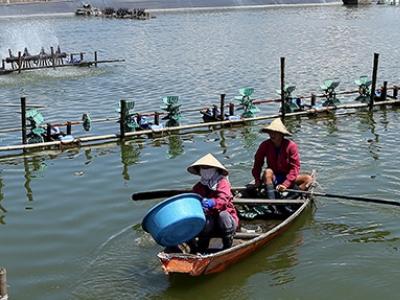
{"points": [[356, 198], [158, 194], [169, 193]]}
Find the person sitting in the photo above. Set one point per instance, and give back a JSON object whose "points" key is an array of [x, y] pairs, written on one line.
{"points": [[221, 216], [283, 162]]}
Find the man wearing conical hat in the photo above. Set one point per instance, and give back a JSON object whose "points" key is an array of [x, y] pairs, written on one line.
{"points": [[215, 188], [283, 161]]}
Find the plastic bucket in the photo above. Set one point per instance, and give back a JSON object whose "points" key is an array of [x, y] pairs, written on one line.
{"points": [[175, 220]]}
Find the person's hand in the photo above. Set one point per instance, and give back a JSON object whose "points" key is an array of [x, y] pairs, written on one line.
{"points": [[280, 188], [208, 203]]}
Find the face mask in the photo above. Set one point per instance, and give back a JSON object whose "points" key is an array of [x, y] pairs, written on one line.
{"points": [[207, 174]]}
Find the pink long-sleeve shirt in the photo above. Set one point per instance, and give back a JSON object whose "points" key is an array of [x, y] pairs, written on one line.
{"points": [[284, 160], [222, 196]]}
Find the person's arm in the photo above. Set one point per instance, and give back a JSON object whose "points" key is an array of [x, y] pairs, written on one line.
{"points": [[222, 195], [198, 188], [259, 158], [294, 165]]}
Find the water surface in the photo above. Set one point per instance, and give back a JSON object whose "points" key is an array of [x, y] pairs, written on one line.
{"points": [[68, 229]]}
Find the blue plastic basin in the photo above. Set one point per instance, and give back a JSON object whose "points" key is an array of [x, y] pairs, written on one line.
{"points": [[175, 220]]}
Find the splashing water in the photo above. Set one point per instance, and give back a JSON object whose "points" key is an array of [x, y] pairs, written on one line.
{"points": [[32, 34]]}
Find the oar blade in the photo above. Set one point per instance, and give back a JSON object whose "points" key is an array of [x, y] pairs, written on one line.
{"points": [[158, 194]]}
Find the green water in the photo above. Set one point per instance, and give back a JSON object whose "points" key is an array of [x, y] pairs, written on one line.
{"points": [[68, 229]]}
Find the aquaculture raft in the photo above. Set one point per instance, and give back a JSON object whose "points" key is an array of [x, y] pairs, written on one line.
{"points": [[134, 124], [25, 61]]}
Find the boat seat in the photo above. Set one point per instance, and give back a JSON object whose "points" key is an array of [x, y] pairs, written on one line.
{"points": [[246, 235]]}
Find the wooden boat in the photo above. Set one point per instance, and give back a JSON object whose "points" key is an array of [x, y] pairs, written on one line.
{"points": [[245, 241]]}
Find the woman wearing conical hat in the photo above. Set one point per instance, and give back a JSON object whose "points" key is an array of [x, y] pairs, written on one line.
{"points": [[215, 188], [283, 161]]}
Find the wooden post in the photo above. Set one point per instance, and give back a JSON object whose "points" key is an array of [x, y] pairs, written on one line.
{"points": [[23, 119], [222, 106], [10, 55], [215, 112], [48, 132], [52, 57], [3, 65], [156, 118], [95, 58], [138, 118], [3, 284], [313, 99], [81, 56], [373, 86], [19, 61], [69, 128], [122, 118], [231, 109], [384, 91], [395, 91], [282, 88], [71, 58]]}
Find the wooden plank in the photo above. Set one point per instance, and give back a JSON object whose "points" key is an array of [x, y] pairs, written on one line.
{"points": [[246, 235], [249, 201]]}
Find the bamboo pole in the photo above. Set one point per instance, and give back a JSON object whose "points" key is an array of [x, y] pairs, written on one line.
{"points": [[395, 92], [282, 88], [313, 100], [53, 61], [222, 106], [231, 109], [69, 128], [19, 62], [384, 91], [95, 59], [23, 119], [48, 132], [374, 75], [3, 284], [122, 118], [156, 118]]}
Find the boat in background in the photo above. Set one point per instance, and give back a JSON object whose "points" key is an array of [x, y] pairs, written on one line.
{"points": [[252, 235]]}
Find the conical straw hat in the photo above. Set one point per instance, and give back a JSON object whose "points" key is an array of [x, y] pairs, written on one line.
{"points": [[208, 160], [276, 126]]}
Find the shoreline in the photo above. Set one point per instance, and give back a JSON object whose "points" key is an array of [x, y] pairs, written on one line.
{"points": [[67, 8]]}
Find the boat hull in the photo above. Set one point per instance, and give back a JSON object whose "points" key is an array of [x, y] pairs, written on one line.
{"points": [[198, 264]]}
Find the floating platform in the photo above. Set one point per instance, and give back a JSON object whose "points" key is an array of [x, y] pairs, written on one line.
{"points": [[160, 131], [25, 61]]}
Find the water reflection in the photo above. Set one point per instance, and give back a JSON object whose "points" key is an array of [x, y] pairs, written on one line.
{"points": [[367, 119], [2, 208], [88, 156], [359, 234], [130, 152], [175, 146], [250, 135]]}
